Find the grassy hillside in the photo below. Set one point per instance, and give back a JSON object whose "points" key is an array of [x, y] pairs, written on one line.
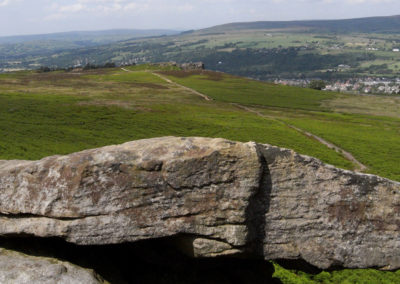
{"points": [[223, 87], [58, 113], [88, 37], [362, 25], [51, 113]]}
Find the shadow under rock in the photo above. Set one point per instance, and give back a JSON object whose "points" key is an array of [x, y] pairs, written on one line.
{"points": [[150, 261]]}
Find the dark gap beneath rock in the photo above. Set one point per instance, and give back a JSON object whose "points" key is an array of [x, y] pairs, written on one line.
{"points": [[150, 261]]}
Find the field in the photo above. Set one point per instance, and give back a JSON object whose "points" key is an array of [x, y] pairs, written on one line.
{"points": [[61, 112]]}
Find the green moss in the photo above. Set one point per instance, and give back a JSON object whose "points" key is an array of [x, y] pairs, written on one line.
{"points": [[349, 276]]}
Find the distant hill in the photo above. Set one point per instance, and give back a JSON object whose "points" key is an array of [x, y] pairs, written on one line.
{"points": [[389, 24], [27, 49], [262, 50], [88, 37]]}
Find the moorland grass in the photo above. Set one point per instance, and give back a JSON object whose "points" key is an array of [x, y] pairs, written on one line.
{"points": [[85, 111], [234, 89], [128, 77], [372, 139], [34, 126]]}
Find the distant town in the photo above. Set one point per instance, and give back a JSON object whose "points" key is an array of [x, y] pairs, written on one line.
{"points": [[367, 85]]}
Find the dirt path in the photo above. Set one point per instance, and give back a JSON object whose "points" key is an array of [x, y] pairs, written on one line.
{"points": [[345, 154], [207, 98], [348, 156]]}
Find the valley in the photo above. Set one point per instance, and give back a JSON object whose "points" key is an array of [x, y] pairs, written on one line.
{"points": [[362, 53]]}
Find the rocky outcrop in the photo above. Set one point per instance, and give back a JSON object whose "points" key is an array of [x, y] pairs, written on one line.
{"points": [[24, 269], [215, 196], [192, 66]]}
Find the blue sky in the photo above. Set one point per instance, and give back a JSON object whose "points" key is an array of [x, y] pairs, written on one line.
{"points": [[46, 16]]}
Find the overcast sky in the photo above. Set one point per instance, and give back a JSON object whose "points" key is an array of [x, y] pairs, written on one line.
{"points": [[46, 16]]}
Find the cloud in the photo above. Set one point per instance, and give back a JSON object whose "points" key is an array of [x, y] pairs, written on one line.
{"points": [[72, 8], [178, 6], [5, 3], [370, 1], [97, 6], [105, 7]]}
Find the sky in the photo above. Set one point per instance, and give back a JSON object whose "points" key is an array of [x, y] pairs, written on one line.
{"points": [[19, 17]]}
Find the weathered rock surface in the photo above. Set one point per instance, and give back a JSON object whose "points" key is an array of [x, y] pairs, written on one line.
{"points": [[219, 197], [139, 190], [19, 268], [328, 216]]}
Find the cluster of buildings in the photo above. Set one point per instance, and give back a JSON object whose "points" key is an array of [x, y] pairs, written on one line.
{"points": [[366, 86], [293, 82], [376, 49], [355, 86]]}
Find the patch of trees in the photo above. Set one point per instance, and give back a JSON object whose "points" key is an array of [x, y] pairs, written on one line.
{"points": [[44, 69], [90, 66], [290, 62], [382, 69], [317, 84]]}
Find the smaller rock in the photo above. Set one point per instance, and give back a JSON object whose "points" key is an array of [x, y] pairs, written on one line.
{"points": [[207, 248], [20, 268], [193, 66]]}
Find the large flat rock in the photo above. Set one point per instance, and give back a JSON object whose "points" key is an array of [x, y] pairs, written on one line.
{"points": [[217, 197], [196, 187]]}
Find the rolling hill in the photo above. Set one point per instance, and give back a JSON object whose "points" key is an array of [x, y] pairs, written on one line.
{"points": [[99, 37], [32, 51], [389, 24]]}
